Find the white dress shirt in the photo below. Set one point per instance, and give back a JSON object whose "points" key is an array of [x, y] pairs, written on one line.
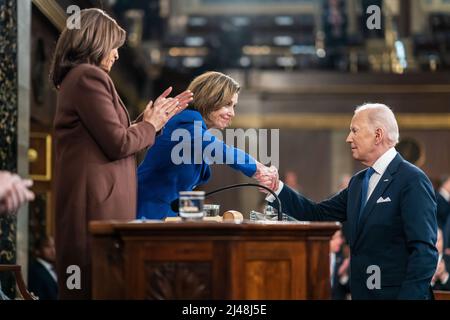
{"points": [[332, 266], [49, 268], [444, 193], [379, 166]]}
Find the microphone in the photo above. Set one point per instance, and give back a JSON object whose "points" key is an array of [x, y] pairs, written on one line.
{"points": [[174, 205]]}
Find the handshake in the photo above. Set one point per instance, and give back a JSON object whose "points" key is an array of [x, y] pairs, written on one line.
{"points": [[13, 192], [267, 176]]}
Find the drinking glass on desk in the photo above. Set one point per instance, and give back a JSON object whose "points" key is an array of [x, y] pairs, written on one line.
{"points": [[270, 214], [191, 205], [211, 210]]}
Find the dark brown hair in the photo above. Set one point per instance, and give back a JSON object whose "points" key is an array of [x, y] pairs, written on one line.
{"points": [[212, 90], [91, 43]]}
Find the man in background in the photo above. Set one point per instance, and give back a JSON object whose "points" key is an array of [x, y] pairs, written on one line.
{"points": [[443, 210], [339, 267], [441, 278], [42, 280]]}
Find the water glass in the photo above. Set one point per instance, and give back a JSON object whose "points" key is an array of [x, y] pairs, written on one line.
{"points": [[211, 210], [191, 205]]}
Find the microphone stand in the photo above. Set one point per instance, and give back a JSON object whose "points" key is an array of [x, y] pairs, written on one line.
{"points": [[280, 212]]}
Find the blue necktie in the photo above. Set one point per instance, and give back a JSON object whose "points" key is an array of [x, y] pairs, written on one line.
{"points": [[365, 187]]}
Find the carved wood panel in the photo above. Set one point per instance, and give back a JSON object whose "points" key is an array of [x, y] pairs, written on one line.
{"points": [[178, 280]]}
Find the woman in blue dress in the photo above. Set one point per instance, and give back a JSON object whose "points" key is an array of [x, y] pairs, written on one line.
{"points": [[179, 160]]}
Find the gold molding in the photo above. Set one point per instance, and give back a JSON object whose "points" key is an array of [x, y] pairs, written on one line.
{"points": [[355, 89], [198, 7], [333, 121], [47, 176], [53, 11]]}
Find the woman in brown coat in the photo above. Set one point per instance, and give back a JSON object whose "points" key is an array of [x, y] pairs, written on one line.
{"points": [[95, 143]]}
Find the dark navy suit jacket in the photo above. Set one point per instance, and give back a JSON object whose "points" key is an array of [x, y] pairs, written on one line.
{"points": [[398, 236], [41, 283], [161, 178], [443, 218]]}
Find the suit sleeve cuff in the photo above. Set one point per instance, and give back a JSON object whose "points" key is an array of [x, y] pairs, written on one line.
{"points": [[270, 197]]}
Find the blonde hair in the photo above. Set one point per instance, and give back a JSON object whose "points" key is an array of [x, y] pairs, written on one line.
{"points": [[97, 36], [212, 90]]}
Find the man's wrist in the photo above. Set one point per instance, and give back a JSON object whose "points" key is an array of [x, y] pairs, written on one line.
{"points": [[270, 197]]}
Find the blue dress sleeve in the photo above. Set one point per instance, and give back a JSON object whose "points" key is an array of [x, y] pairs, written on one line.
{"points": [[220, 152], [211, 150]]}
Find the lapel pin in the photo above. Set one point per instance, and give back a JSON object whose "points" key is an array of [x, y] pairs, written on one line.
{"points": [[386, 180]]}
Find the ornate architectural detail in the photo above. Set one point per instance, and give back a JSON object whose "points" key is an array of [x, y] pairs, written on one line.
{"points": [[178, 280], [8, 85], [8, 128]]}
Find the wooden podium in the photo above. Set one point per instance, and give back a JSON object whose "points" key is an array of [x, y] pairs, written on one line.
{"points": [[211, 260]]}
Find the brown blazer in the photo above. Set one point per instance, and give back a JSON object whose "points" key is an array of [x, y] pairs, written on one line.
{"points": [[95, 171]]}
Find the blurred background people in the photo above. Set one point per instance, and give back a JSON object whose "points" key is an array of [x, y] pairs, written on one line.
{"points": [[95, 142], [339, 267], [443, 210], [291, 179], [161, 177], [440, 280], [42, 278]]}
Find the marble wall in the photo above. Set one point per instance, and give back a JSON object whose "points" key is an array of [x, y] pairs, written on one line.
{"points": [[8, 126]]}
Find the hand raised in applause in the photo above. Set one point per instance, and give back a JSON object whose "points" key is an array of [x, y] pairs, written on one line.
{"points": [[164, 108]]}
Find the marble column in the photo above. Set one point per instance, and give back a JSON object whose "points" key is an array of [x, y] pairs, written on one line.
{"points": [[23, 132], [14, 119], [8, 128]]}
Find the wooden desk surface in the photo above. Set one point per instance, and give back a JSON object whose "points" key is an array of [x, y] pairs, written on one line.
{"points": [[211, 260], [111, 227]]}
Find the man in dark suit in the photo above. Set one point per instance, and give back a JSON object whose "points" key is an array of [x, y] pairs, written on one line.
{"points": [[42, 280], [441, 279], [443, 210], [338, 267], [390, 208]]}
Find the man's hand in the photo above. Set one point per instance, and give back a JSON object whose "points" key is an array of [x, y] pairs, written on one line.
{"points": [[441, 272], [13, 192], [266, 176], [6, 182]]}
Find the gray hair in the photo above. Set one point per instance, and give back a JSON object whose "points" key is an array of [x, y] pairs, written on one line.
{"points": [[381, 116]]}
